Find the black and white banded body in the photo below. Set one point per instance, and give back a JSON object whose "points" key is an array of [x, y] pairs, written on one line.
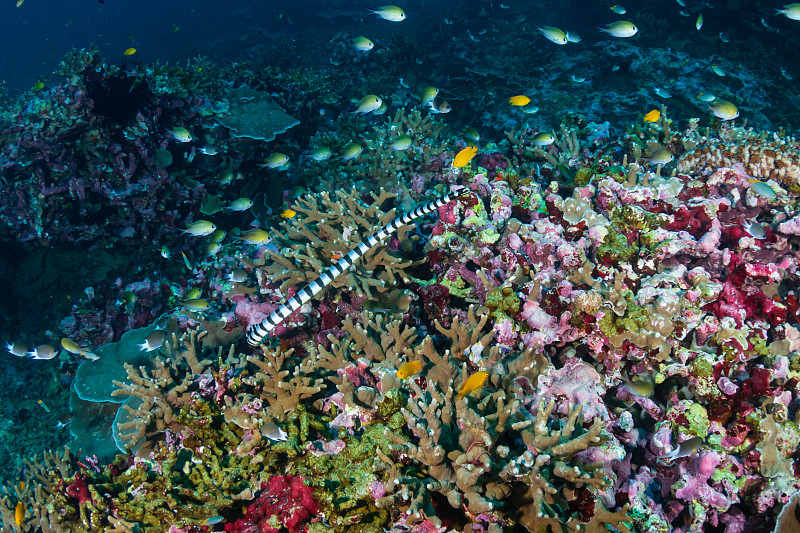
{"points": [[258, 332]]}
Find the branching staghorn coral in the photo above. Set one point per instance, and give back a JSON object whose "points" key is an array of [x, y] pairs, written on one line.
{"points": [[326, 227], [157, 395], [368, 246], [282, 395]]}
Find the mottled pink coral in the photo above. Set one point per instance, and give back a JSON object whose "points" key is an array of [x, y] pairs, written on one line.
{"points": [[285, 501]]}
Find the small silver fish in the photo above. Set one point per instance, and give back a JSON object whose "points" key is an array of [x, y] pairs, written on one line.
{"points": [[153, 341], [755, 229], [684, 449], [17, 348], [44, 351], [273, 432]]}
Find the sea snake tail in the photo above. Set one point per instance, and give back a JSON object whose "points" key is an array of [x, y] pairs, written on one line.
{"points": [[258, 332]]}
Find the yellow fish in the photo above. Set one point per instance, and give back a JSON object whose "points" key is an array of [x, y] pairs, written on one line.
{"points": [[200, 228], [276, 160], [427, 95], [391, 13], [351, 151], [196, 304], [368, 104], [19, 512], [129, 51], [652, 116], [362, 44], [473, 383], [254, 236], [623, 28], [409, 369], [288, 213], [519, 100], [19, 3], [464, 156], [39, 86]]}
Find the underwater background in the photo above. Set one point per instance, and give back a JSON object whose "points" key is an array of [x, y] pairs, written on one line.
{"points": [[587, 322]]}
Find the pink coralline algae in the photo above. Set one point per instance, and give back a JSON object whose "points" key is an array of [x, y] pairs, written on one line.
{"points": [[286, 502]]}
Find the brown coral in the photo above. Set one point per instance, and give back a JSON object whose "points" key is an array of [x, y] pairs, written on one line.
{"points": [[763, 156]]}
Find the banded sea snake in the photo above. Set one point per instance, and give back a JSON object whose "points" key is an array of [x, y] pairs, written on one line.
{"points": [[258, 332]]}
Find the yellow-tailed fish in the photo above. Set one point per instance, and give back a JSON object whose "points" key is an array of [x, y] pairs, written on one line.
{"points": [[213, 520], [402, 142], [254, 236], [43, 351], [217, 236], [427, 95], [623, 28], [368, 104], [464, 156], [391, 13], [790, 11], [684, 449], [706, 97], [351, 151], [362, 44], [129, 51], [716, 69], [44, 406], [186, 261], [200, 228], [619, 10], [553, 34], [761, 188], [473, 383], [652, 116], [91, 356], [181, 135], [288, 213], [17, 348], [153, 341], [519, 100], [196, 304], [320, 154], [544, 138], [438, 105], [240, 204], [276, 160], [699, 22], [724, 110], [409, 369], [19, 511]]}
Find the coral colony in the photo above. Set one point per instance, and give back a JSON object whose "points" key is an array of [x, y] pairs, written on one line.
{"points": [[578, 331]]}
